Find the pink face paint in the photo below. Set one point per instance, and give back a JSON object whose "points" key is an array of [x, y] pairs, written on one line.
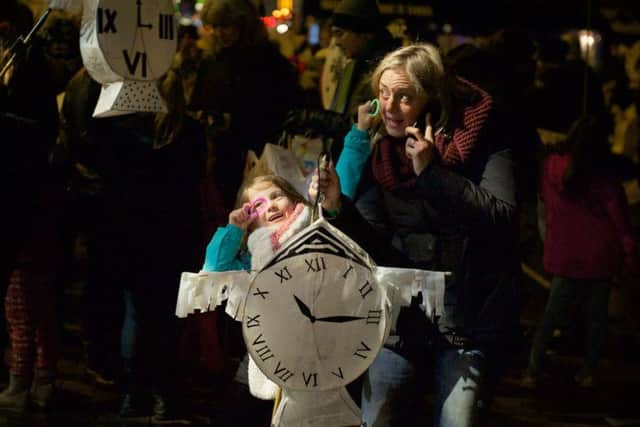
{"points": [[258, 206]]}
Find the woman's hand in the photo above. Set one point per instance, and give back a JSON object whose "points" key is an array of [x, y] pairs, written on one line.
{"points": [[419, 146], [241, 217], [364, 118], [326, 181]]}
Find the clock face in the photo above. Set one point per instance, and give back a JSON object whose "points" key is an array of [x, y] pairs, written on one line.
{"points": [[314, 317], [137, 38]]}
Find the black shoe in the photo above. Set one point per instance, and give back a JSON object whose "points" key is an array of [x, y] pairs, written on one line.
{"points": [[133, 407], [165, 409]]}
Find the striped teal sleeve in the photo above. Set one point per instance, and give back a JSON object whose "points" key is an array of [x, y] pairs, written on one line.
{"points": [[354, 156]]}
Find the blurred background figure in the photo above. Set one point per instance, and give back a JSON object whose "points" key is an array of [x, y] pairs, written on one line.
{"points": [[589, 242], [358, 30], [136, 180], [244, 84], [15, 19], [359, 34], [33, 230]]}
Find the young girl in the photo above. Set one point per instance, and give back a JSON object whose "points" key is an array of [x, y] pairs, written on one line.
{"points": [[589, 240], [272, 211]]}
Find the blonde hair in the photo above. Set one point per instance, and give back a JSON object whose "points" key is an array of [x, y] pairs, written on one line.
{"points": [[426, 71], [264, 181]]}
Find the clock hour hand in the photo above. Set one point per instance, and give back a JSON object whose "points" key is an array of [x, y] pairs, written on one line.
{"points": [[304, 309], [339, 319]]}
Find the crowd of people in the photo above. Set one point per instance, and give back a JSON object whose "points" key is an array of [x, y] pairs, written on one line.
{"points": [[449, 172]]}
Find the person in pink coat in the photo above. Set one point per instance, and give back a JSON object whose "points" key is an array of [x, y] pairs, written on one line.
{"points": [[589, 243]]}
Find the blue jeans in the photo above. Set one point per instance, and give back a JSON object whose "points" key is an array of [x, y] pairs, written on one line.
{"points": [[592, 296], [394, 389]]}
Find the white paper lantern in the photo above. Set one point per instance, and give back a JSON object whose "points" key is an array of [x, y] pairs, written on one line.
{"points": [[127, 45]]}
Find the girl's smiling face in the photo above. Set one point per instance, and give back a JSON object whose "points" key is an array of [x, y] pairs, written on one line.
{"points": [[271, 203], [400, 103]]}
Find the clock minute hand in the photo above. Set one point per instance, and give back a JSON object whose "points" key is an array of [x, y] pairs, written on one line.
{"points": [[304, 309], [339, 319], [140, 24]]}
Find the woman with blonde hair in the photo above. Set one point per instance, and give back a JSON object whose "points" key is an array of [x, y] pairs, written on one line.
{"points": [[436, 190]]}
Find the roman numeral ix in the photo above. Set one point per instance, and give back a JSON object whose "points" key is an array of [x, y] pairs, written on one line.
{"points": [[253, 322]]}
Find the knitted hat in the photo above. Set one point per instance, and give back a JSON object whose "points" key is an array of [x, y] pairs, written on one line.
{"points": [[360, 16]]}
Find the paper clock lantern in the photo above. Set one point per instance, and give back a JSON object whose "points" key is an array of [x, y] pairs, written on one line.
{"points": [[127, 45]]}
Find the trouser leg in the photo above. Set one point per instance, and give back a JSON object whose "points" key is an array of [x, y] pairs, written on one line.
{"points": [[460, 392], [20, 326], [557, 305], [389, 394], [596, 317]]}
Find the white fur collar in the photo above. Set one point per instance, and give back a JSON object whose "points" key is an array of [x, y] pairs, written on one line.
{"points": [[261, 241]]}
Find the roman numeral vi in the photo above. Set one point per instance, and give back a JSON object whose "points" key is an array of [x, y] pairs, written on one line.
{"points": [[132, 66]]}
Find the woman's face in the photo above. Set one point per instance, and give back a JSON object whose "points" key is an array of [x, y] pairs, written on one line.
{"points": [[271, 203], [400, 104], [227, 33]]}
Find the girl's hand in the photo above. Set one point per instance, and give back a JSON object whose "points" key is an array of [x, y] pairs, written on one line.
{"points": [[326, 181], [364, 119], [241, 217], [419, 146]]}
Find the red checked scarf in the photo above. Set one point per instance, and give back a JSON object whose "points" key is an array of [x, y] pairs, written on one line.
{"points": [[393, 170]]}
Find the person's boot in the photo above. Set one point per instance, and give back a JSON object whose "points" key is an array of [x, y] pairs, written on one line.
{"points": [[43, 388], [161, 408], [16, 394], [165, 406], [133, 404]]}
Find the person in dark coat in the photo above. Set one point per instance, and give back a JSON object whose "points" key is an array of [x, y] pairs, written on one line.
{"points": [[437, 191], [32, 228], [136, 181], [244, 84]]}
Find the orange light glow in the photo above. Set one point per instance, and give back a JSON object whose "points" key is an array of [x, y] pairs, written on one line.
{"points": [[285, 4]]}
